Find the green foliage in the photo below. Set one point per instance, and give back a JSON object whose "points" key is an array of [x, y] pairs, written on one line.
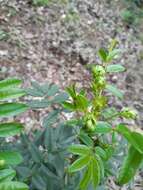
{"points": [[128, 16], [128, 113], [115, 91], [45, 159], [133, 13], [115, 68], [70, 15], [102, 128], [9, 83], [40, 2], [133, 137], [14, 93], [12, 109], [138, 3], [10, 129], [93, 164], [7, 174], [45, 156], [131, 164], [11, 185], [10, 158], [47, 94], [9, 90]]}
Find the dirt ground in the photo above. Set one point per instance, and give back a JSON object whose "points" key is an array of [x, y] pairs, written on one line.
{"points": [[56, 42]]}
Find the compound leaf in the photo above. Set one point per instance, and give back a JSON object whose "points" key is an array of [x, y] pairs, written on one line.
{"points": [[11, 158], [103, 127], [114, 90], [109, 113], [115, 68], [134, 138], [79, 164], [12, 109], [7, 175], [50, 118], [60, 98], [86, 139], [11, 94], [85, 180], [38, 104], [103, 54], [130, 166], [13, 185], [95, 172], [10, 129], [79, 149], [9, 83]]}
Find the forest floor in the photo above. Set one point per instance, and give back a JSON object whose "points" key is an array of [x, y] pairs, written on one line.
{"points": [[56, 42]]}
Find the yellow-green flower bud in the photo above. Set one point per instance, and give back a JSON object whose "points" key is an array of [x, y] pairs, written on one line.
{"points": [[90, 126], [98, 70], [90, 123], [128, 113], [101, 82], [99, 102], [2, 163]]}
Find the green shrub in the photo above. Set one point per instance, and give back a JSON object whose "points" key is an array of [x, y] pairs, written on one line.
{"points": [[45, 159], [47, 2], [133, 12], [41, 2], [128, 16], [8, 159], [45, 156], [136, 2]]}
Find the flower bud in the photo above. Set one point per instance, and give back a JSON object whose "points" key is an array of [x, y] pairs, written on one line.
{"points": [[98, 70], [102, 82], [128, 113], [90, 126], [2, 163]]}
